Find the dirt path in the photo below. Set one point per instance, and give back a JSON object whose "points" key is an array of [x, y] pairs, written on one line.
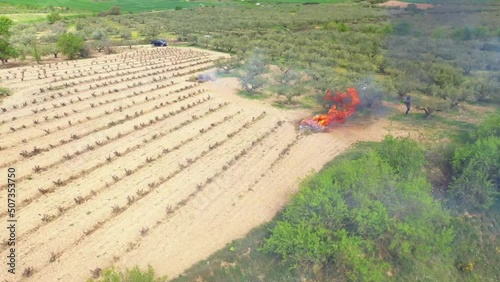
{"points": [[164, 181]]}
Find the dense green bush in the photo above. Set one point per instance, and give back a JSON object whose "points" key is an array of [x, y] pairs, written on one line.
{"points": [[476, 168], [53, 17], [405, 156], [7, 51], [70, 44], [490, 127], [365, 218]]}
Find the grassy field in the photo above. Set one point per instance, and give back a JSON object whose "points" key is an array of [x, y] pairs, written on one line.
{"points": [[32, 10], [97, 6], [135, 6], [37, 17], [299, 1], [26, 17], [152, 5]]}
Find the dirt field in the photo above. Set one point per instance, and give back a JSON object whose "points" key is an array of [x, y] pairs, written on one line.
{"points": [[401, 4], [122, 161]]}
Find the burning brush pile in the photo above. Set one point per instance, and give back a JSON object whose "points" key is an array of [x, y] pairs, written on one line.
{"points": [[344, 106]]}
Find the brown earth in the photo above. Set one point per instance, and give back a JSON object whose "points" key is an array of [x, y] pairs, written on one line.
{"points": [[145, 167], [401, 4]]}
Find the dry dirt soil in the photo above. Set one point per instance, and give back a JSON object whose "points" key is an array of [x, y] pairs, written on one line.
{"points": [[402, 4], [122, 160]]}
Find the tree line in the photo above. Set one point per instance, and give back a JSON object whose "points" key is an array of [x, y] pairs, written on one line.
{"points": [[431, 56]]}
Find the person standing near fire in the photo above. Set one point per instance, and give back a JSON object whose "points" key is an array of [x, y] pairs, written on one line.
{"points": [[408, 104]]}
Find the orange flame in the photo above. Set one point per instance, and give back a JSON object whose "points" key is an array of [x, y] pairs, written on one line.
{"points": [[345, 106]]}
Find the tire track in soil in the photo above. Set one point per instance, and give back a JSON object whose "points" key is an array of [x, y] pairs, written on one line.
{"points": [[12, 135], [135, 65], [114, 123], [201, 187], [128, 117], [163, 180], [84, 172], [94, 193], [80, 92], [234, 162]]}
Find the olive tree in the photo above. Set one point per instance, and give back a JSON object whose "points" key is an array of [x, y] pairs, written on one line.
{"points": [[7, 51], [251, 78], [101, 40], [50, 39], [53, 17], [70, 44], [228, 64], [29, 43], [152, 30]]}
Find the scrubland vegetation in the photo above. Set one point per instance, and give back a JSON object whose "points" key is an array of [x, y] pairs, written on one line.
{"points": [[441, 60], [394, 210]]}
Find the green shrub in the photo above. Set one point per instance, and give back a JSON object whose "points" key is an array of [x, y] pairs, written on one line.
{"points": [[476, 167], [404, 155], [402, 28], [476, 173], [4, 92], [365, 218], [53, 17], [70, 44], [488, 128]]}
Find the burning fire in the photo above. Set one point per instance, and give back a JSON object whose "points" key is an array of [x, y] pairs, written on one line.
{"points": [[344, 106]]}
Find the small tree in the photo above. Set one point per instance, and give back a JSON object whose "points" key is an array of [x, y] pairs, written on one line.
{"points": [[7, 51], [291, 90], [289, 84], [130, 42], [101, 40], [125, 34], [402, 28], [482, 87], [70, 44], [50, 39], [322, 79], [151, 31], [428, 105], [5, 24], [476, 176], [310, 57], [370, 93], [243, 44], [446, 84], [412, 8], [29, 43], [53, 17], [251, 79], [115, 11], [228, 64]]}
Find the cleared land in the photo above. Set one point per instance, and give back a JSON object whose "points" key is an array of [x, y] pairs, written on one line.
{"points": [[97, 6], [124, 160], [401, 4], [142, 6]]}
